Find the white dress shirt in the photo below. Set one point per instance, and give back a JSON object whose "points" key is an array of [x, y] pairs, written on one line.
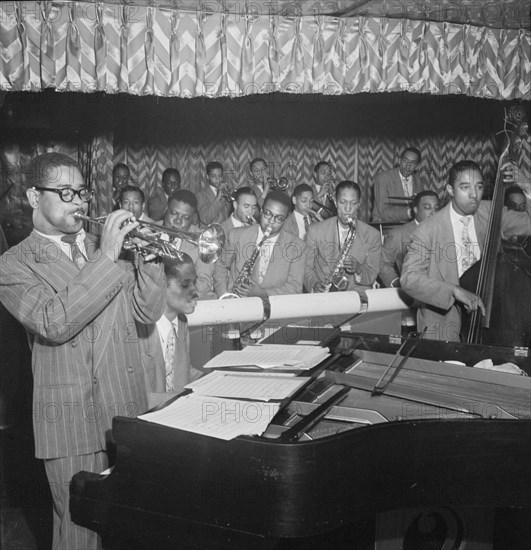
{"points": [[265, 253], [65, 247]]}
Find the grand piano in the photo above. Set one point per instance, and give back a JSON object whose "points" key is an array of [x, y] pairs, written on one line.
{"points": [[379, 450]]}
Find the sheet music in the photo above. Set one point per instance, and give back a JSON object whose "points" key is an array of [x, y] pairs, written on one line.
{"points": [[215, 417], [248, 385], [269, 356]]}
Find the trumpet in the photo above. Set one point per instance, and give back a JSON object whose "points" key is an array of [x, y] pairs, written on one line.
{"points": [[250, 220], [210, 241], [280, 184]]}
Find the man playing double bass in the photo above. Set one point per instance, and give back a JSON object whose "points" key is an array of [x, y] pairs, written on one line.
{"points": [[444, 246]]}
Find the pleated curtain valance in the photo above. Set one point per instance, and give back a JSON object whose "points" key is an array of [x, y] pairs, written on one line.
{"points": [[157, 50]]}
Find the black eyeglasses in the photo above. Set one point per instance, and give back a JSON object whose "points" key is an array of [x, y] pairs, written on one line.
{"points": [[268, 214], [67, 194]]}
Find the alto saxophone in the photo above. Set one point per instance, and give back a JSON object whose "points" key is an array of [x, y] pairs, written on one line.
{"points": [[245, 275], [338, 278]]}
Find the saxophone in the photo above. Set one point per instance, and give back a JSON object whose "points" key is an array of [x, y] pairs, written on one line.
{"points": [[245, 275], [338, 278]]}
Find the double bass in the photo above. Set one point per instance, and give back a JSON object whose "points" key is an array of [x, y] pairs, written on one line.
{"points": [[502, 278]]}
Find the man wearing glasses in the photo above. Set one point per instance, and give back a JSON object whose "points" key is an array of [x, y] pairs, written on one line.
{"points": [[79, 305], [279, 266], [401, 182]]}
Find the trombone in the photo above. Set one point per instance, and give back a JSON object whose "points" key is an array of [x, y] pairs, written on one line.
{"points": [[210, 241]]}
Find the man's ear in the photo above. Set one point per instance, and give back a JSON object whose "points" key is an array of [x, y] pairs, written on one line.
{"points": [[293, 200], [33, 198], [449, 190]]}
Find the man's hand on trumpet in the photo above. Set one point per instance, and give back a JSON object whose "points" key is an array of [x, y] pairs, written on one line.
{"points": [[117, 225]]}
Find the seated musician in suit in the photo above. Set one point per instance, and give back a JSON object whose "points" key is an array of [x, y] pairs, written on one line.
{"points": [[79, 305], [165, 345], [213, 200], [279, 263], [121, 176], [445, 245], [326, 243], [158, 201], [259, 181], [244, 209], [394, 247], [398, 182], [243, 215], [132, 200], [181, 211], [302, 216], [323, 189]]}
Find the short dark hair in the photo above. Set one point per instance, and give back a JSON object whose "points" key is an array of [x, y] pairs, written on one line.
{"points": [[300, 189], [172, 266], [411, 150], [278, 196], [132, 189], [169, 171], [118, 166], [242, 191], [43, 165], [348, 184], [513, 189], [256, 161], [459, 167], [214, 165], [421, 194], [183, 195], [319, 164]]}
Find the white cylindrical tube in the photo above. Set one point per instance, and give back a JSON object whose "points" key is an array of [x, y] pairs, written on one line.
{"points": [[217, 312], [314, 305], [385, 299]]}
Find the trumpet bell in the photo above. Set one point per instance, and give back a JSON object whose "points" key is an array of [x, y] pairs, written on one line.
{"points": [[210, 243]]}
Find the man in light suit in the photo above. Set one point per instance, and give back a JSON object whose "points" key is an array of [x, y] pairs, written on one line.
{"points": [[244, 209], [279, 268], [212, 203], [444, 246], [79, 306], [325, 242], [302, 216], [398, 182], [260, 181], [166, 344], [181, 211], [394, 247], [158, 202]]}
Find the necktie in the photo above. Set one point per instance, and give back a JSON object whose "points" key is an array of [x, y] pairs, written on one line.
{"points": [[306, 223], [265, 255], [467, 256], [77, 255], [407, 189], [169, 357]]}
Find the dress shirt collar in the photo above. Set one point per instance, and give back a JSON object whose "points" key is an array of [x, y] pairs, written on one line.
{"points": [[65, 247], [235, 221]]}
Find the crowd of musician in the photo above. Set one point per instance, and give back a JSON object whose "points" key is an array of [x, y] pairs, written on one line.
{"points": [[281, 238]]}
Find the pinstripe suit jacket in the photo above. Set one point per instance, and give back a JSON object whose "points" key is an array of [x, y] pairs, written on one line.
{"points": [[324, 251], [81, 325], [394, 249], [430, 270], [285, 270]]}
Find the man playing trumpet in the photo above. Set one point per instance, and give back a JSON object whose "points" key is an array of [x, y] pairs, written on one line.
{"points": [[277, 256], [342, 247], [214, 199], [302, 216], [79, 305]]}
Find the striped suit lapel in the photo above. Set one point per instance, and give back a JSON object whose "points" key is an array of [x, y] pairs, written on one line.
{"points": [[51, 263]]}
